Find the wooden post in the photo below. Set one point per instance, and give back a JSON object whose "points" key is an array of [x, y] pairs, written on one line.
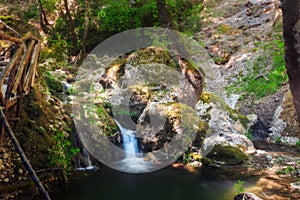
{"points": [[24, 159]]}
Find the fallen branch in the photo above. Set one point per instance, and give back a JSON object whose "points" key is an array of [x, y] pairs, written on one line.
{"points": [[10, 28], [24, 159]]}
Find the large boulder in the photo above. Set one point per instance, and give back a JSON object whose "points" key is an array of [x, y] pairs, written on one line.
{"points": [[227, 126]]}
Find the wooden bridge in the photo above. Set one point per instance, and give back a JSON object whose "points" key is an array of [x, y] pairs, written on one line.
{"points": [[18, 62]]}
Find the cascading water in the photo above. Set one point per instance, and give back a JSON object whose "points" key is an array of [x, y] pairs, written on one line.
{"points": [[132, 162], [129, 141], [88, 165]]}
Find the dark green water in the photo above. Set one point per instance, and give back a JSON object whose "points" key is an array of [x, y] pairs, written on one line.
{"points": [[166, 184]]}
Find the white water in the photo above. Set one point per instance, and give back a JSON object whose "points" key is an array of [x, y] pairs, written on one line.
{"points": [[88, 163], [133, 161], [129, 142]]}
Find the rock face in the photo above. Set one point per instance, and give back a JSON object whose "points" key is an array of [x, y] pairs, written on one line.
{"points": [[285, 127], [227, 126]]}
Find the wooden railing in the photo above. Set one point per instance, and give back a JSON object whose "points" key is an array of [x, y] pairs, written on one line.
{"points": [[18, 76], [16, 79]]}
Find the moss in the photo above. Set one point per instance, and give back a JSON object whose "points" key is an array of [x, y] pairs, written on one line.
{"points": [[206, 161], [233, 114], [108, 125], [227, 154], [54, 85], [150, 55]]}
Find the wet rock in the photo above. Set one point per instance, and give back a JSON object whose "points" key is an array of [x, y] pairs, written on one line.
{"points": [[246, 196]]}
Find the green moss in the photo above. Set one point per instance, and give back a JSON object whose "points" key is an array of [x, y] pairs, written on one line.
{"points": [[206, 161], [233, 114], [227, 154], [54, 85], [108, 125]]}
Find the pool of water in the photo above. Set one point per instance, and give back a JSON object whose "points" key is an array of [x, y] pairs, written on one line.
{"points": [[166, 184]]}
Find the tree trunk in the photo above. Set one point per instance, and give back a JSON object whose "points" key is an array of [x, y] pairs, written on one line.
{"points": [[291, 34], [85, 31], [43, 19], [72, 27]]}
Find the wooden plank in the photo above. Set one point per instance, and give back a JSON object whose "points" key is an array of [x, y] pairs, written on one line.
{"points": [[7, 69], [13, 39], [22, 67], [29, 81]]}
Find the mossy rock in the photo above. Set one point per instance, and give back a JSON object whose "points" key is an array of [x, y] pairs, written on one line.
{"points": [[54, 85], [233, 114], [182, 121], [227, 154]]}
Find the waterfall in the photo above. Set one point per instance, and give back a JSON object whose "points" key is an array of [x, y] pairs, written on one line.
{"points": [[88, 165], [129, 141], [88, 162]]}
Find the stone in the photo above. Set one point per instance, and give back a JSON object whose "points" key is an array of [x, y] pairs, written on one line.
{"points": [[20, 171], [226, 155], [227, 126], [284, 125], [246, 196], [6, 180], [269, 157], [296, 186]]}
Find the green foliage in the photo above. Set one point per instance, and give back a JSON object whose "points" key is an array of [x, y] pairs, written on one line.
{"points": [[186, 14], [54, 85], [287, 170], [278, 139], [50, 5], [121, 15], [239, 186], [298, 144], [61, 153], [261, 81], [249, 134], [31, 13]]}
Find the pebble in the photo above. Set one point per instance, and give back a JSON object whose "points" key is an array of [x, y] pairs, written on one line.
{"points": [[20, 171], [269, 157], [6, 180]]}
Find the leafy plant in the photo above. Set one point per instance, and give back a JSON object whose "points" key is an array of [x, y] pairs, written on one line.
{"points": [[278, 139], [239, 186], [61, 154], [249, 134]]}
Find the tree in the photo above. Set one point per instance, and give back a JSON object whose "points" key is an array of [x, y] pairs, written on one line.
{"points": [[43, 18], [291, 35]]}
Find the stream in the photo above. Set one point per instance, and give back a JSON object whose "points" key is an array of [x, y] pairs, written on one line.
{"points": [[165, 184]]}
